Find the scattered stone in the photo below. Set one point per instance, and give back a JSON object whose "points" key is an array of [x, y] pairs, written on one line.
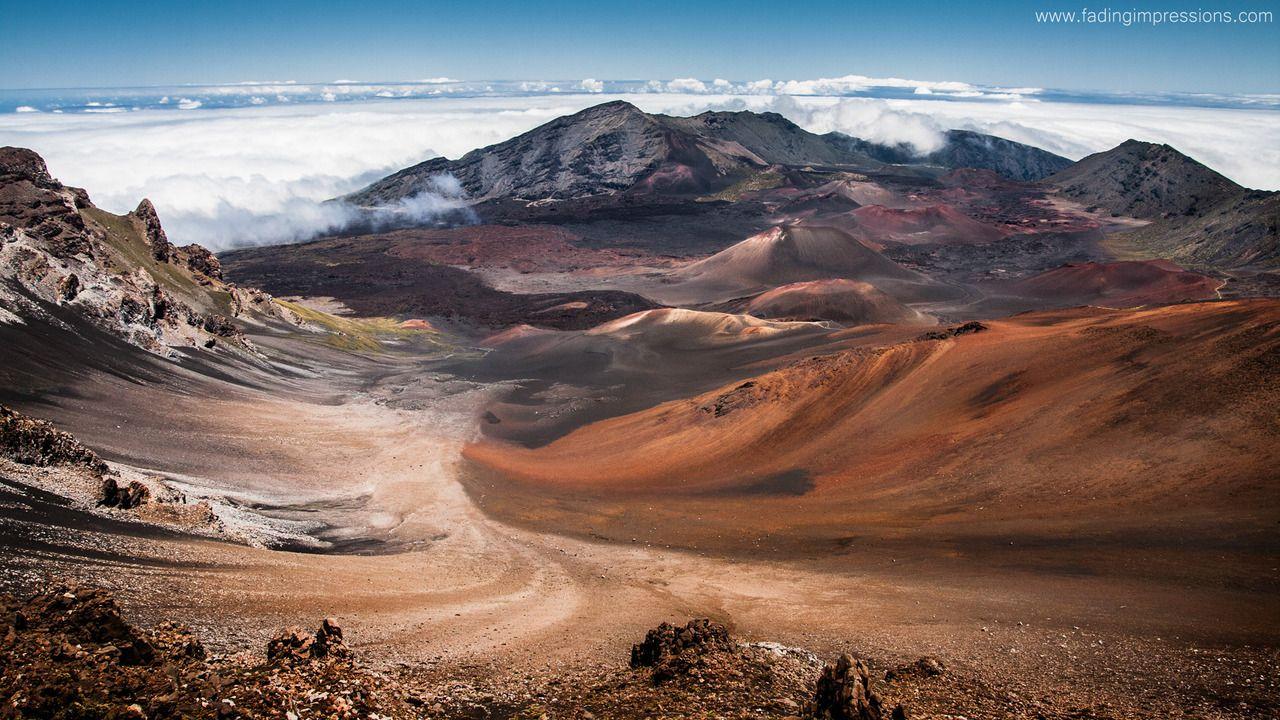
{"points": [[924, 667]]}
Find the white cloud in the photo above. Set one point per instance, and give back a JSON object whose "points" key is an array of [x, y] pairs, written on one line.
{"points": [[189, 104], [239, 176], [686, 85], [592, 85], [25, 109], [1242, 144]]}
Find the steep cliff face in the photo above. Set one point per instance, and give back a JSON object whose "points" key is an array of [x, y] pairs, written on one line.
{"points": [[119, 271]]}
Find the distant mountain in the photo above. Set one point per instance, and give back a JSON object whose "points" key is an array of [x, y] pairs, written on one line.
{"points": [[967, 149], [615, 147], [770, 137], [1200, 217], [1144, 180]]}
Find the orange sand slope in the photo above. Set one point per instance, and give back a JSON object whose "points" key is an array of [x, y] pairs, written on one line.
{"points": [[844, 301], [1071, 419]]}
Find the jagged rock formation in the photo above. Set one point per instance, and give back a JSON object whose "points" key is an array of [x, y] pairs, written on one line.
{"points": [[968, 149], [119, 272], [844, 692], [31, 441], [294, 644]]}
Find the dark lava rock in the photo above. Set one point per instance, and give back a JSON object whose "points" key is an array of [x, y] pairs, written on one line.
{"points": [[161, 248], [294, 644], [37, 442], [85, 615], [201, 261], [69, 287], [968, 328], [667, 640], [67, 653], [22, 164], [844, 692], [125, 497], [219, 325]]}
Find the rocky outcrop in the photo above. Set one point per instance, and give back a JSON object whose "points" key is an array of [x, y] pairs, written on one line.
{"points": [[969, 328], [844, 692], [673, 651], [925, 667], [31, 441], [124, 496], [68, 651], [200, 260], [667, 640], [149, 223], [119, 272], [294, 644], [85, 616]]}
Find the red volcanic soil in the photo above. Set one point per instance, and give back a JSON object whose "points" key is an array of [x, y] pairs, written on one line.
{"points": [[526, 248], [1118, 284], [1149, 426], [935, 224], [844, 301]]}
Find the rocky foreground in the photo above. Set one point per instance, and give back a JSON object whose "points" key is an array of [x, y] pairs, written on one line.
{"points": [[68, 652]]}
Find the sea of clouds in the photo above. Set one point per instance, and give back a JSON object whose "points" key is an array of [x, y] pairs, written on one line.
{"points": [[247, 164]]}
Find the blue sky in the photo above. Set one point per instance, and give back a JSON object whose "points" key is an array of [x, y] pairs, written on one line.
{"points": [[111, 43]]}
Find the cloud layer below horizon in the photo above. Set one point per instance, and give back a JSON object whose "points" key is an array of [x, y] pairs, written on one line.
{"points": [[228, 176]]}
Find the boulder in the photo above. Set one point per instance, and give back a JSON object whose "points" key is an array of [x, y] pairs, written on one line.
{"points": [[293, 644], [844, 692], [126, 497], [667, 640]]}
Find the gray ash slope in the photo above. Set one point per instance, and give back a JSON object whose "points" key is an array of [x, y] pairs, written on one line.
{"points": [[617, 148], [967, 149], [1200, 217]]}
